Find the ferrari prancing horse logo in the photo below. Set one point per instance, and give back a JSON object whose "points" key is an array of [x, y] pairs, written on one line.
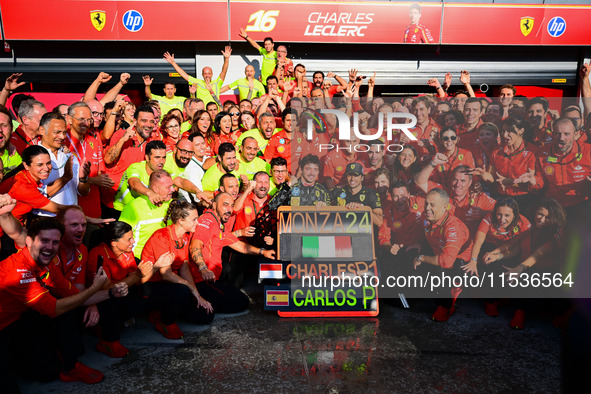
{"points": [[98, 19], [527, 25]]}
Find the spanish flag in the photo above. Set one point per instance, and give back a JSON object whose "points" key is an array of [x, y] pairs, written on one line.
{"points": [[277, 298], [327, 247]]}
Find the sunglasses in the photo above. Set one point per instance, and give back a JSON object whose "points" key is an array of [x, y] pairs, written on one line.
{"points": [[234, 113], [453, 138]]}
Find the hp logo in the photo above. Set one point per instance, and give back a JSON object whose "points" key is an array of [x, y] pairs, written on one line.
{"points": [[133, 21], [556, 26]]}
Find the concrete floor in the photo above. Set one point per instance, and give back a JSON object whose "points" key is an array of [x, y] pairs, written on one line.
{"points": [[401, 350]]}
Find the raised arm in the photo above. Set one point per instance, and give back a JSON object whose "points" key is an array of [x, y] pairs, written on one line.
{"points": [[94, 86], [111, 95], [147, 83], [252, 42], [10, 85], [112, 154], [586, 90], [465, 79], [10, 225], [434, 82], [227, 52], [422, 178], [170, 59]]}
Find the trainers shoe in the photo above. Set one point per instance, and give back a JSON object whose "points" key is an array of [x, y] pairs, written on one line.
{"points": [[112, 349], [518, 319], [171, 331], [154, 316], [442, 314], [491, 309], [82, 373]]}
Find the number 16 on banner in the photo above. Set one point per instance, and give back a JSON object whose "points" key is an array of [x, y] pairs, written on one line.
{"points": [[263, 21]]}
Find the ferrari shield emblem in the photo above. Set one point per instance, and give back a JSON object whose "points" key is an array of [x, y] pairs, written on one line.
{"points": [[98, 19], [527, 25]]}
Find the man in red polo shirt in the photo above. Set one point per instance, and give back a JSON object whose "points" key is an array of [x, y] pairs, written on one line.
{"points": [[451, 245], [30, 113], [566, 166], [127, 147], [28, 281], [86, 148], [336, 161], [206, 252], [280, 143], [469, 206], [468, 132]]}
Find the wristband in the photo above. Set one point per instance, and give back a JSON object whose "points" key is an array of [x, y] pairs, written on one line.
{"points": [[202, 267], [83, 180], [261, 250], [111, 295]]}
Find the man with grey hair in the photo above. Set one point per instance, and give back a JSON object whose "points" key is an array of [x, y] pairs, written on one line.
{"points": [[29, 113], [450, 248], [88, 150]]}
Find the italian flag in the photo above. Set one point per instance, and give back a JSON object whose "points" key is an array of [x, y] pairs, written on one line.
{"points": [[270, 271], [327, 247], [277, 297]]}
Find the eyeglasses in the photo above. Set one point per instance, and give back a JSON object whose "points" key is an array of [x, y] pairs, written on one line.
{"points": [[172, 127], [453, 138], [185, 152], [234, 113], [83, 120], [96, 114]]}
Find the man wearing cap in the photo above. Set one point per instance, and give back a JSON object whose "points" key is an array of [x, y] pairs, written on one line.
{"points": [[354, 195]]}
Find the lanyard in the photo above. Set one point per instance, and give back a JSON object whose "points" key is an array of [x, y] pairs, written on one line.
{"points": [[77, 154]]}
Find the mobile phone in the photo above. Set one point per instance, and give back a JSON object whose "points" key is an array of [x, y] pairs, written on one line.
{"points": [[99, 263]]}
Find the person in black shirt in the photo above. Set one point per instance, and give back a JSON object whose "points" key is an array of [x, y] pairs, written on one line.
{"points": [[307, 191]]}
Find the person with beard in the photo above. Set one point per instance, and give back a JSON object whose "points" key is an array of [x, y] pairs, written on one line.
{"points": [[263, 134], [279, 175], [176, 164], [206, 247], [375, 158], [141, 214], [565, 168], [537, 111], [381, 183], [468, 205], [137, 176], [86, 148], [401, 230], [354, 195], [255, 201], [280, 143], [318, 81], [450, 245], [36, 302], [249, 163], [226, 163], [307, 191], [127, 147]]}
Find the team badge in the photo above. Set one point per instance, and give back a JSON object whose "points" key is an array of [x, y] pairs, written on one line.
{"points": [[295, 191], [461, 157], [549, 170], [282, 141], [91, 144], [248, 210], [527, 25], [98, 19], [397, 224], [341, 201], [317, 193], [299, 140], [362, 197], [339, 168], [295, 201], [343, 195], [281, 149], [415, 206]]}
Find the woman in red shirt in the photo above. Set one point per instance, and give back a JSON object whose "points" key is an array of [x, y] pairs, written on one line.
{"points": [[202, 123], [499, 232], [448, 145], [170, 127], [223, 130], [406, 166], [172, 289], [116, 256]]}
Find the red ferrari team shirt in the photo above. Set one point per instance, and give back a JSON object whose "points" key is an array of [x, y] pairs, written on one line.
{"points": [[25, 285], [450, 240], [500, 236], [163, 241], [211, 232], [402, 227]]}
